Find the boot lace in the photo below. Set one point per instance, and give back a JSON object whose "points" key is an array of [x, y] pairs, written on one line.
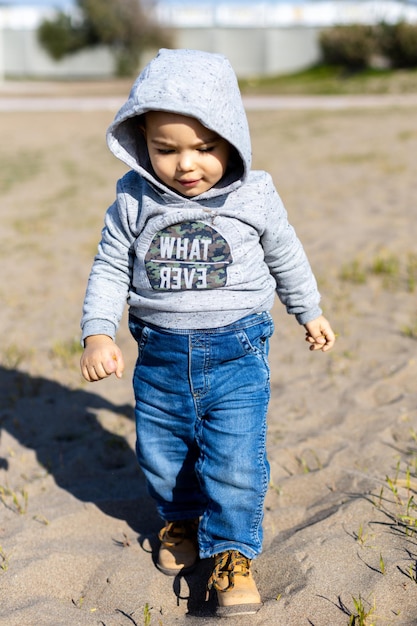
{"points": [[176, 532], [231, 563]]}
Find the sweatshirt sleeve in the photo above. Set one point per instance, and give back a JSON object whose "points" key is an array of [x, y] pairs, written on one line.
{"points": [[110, 276], [284, 254]]}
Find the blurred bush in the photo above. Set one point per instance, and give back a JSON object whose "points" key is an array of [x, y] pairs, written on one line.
{"points": [[348, 46], [398, 44], [358, 46]]}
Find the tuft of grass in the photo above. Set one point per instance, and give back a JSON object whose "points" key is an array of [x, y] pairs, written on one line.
{"points": [[310, 462], [412, 572], [386, 265], [362, 615], [41, 519], [394, 271], [12, 356], [18, 168], [13, 500], [277, 488], [402, 508], [361, 536], [392, 484], [410, 330], [382, 564], [4, 560], [354, 272], [147, 615], [66, 352], [411, 271], [78, 603]]}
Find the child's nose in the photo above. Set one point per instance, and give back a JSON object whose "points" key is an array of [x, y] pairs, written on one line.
{"points": [[186, 162]]}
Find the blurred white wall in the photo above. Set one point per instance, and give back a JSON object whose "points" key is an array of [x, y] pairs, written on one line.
{"points": [[259, 38]]}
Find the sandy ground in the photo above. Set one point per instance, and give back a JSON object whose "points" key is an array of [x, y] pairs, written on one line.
{"points": [[77, 529]]}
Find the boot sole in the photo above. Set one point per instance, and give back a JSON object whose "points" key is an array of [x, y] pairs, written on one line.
{"points": [[238, 609], [176, 572]]}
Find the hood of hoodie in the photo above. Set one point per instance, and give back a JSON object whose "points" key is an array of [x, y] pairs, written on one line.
{"points": [[198, 84]]}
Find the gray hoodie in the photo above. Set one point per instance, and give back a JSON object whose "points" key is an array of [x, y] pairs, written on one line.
{"points": [[199, 262]]}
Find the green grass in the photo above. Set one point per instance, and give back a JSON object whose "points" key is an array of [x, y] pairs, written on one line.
{"points": [[410, 330], [17, 168], [362, 614], [316, 80], [4, 560], [395, 271], [67, 352], [11, 356], [13, 500], [326, 80]]}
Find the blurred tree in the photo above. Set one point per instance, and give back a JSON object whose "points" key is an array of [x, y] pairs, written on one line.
{"points": [[347, 46], [398, 43], [356, 46], [126, 26]]}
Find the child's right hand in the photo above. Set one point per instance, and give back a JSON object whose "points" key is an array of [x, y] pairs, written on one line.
{"points": [[101, 358]]}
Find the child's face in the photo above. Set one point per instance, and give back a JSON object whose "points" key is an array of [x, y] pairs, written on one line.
{"points": [[184, 154]]}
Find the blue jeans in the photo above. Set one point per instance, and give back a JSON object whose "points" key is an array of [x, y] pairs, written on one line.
{"points": [[201, 405]]}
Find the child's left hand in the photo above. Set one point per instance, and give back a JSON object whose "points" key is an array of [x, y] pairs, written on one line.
{"points": [[319, 334]]}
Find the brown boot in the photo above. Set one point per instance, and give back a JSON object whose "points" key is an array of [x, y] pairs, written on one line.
{"points": [[178, 553], [236, 589]]}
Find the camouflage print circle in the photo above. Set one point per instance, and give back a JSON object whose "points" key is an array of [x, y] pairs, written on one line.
{"points": [[190, 255]]}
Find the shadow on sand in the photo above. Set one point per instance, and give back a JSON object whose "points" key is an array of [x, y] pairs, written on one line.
{"points": [[94, 465], [60, 424]]}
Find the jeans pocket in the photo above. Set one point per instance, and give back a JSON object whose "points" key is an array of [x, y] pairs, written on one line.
{"points": [[255, 339], [140, 333]]}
